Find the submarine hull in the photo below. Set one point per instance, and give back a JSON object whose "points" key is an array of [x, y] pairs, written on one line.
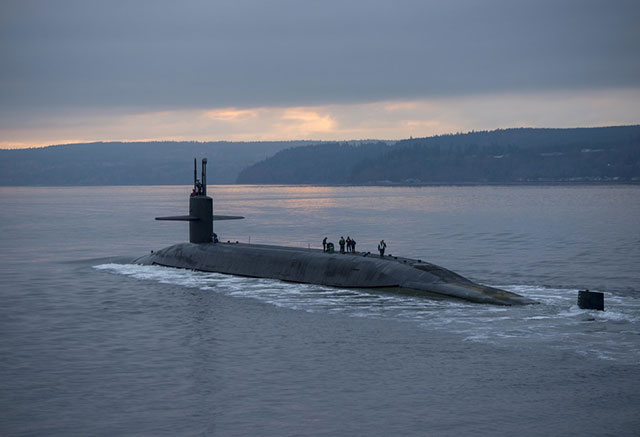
{"points": [[313, 266]]}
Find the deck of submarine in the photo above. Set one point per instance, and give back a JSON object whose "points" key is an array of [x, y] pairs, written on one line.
{"points": [[412, 274], [388, 257]]}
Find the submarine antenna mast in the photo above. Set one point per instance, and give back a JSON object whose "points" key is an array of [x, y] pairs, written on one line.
{"points": [[204, 176], [200, 216]]}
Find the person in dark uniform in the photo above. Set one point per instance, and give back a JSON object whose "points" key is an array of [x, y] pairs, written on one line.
{"points": [[324, 244], [382, 246], [341, 242]]}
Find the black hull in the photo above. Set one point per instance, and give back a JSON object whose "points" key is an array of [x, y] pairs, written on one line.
{"points": [[313, 266]]}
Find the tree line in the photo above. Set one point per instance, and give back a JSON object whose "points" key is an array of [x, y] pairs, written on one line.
{"points": [[523, 155]]}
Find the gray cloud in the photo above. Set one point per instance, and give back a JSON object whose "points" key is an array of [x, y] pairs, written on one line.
{"points": [[166, 54]]}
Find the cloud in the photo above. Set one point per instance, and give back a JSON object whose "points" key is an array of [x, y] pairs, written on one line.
{"points": [[338, 122], [167, 55], [231, 114], [303, 123], [254, 70], [400, 106]]}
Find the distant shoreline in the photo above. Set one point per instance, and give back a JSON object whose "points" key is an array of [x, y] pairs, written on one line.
{"points": [[509, 157], [443, 184]]}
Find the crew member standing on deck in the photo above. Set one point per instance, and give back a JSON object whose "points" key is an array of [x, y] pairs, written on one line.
{"points": [[324, 244], [341, 242], [381, 247]]}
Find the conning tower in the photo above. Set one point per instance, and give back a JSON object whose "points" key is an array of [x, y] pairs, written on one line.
{"points": [[200, 216]]}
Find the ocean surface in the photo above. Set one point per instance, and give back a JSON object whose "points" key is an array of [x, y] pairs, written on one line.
{"points": [[91, 344]]}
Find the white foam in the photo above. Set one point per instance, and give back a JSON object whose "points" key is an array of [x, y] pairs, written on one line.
{"points": [[557, 320]]}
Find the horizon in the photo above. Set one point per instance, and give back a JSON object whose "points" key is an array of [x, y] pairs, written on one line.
{"points": [[346, 141]]}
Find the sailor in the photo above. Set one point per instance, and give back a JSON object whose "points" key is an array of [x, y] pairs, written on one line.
{"points": [[348, 243], [215, 237], [353, 245], [381, 247], [198, 188], [341, 242], [324, 244]]}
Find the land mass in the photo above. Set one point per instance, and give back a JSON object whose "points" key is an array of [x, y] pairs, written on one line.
{"points": [[131, 163], [505, 156]]}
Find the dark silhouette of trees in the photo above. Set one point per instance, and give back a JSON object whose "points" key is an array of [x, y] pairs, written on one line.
{"points": [[522, 155], [525, 155], [318, 164], [139, 163]]}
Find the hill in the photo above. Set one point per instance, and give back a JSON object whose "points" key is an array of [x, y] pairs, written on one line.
{"points": [[138, 163], [317, 164], [524, 155]]}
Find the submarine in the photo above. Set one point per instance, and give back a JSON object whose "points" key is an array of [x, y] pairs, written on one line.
{"points": [[360, 270]]}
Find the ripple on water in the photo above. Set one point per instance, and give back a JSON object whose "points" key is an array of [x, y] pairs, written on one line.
{"points": [[557, 320]]}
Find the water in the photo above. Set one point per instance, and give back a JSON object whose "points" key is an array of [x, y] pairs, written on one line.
{"points": [[93, 345]]}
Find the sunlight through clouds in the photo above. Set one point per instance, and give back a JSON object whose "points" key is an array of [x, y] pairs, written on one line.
{"points": [[384, 120], [303, 122], [232, 114]]}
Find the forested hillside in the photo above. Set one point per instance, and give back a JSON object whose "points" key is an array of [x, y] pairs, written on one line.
{"points": [[139, 163], [318, 164], [525, 155], [609, 154]]}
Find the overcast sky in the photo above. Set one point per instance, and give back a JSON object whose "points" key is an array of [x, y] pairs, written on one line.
{"points": [[267, 70]]}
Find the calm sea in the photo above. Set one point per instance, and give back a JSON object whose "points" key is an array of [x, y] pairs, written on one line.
{"points": [[91, 344]]}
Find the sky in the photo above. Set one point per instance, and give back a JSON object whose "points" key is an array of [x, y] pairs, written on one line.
{"points": [[253, 70]]}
